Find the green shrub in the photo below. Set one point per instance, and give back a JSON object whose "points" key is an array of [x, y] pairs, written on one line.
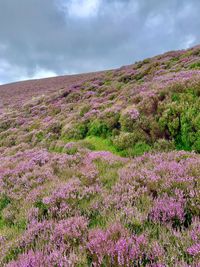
{"points": [[164, 145], [78, 131], [137, 150], [181, 120], [126, 78], [4, 201], [196, 144], [10, 141], [71, 150], [9, 214], [5, 125], [195, 65], [73, 97], [119, 86], [87, 144], [124, 140], [107, 82], [39, 136], [99, 128], [127, 122], [84, 110], [55, 127], [42, 209], [111, 119]]}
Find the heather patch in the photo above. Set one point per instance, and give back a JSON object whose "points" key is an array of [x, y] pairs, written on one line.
{"points": [[105, 171]]}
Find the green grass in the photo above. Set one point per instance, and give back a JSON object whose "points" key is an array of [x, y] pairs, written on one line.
{"points": [[101, 144], [108, 174]]}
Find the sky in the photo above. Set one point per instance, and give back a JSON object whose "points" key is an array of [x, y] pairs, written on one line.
{"points": [[43, 38]]}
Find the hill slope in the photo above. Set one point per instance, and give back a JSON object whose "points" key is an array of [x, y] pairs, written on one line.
{"points": [[103, 169]]}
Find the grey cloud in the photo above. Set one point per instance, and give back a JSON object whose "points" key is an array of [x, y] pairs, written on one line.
{"points": [[41, 36]]}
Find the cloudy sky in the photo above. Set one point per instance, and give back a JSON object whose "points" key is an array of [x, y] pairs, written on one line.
{"points": [[42, 38]]}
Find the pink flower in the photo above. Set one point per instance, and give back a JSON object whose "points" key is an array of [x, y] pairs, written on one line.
{"points": [[194, 250]]}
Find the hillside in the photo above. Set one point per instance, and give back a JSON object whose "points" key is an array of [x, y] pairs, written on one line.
{"points": [[103, 169]]}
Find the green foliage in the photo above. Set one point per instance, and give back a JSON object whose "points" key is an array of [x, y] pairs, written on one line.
{"points": [[76, 132], [126, 78], [12, 254], [100, 144], [4, 201], [108, 173], [181, 120], [39, 136], [5, 125], [10, 213], [55, 127], [127, 124], [104, 126], [112, 120], [124, 140], [96, 219], [71, 150], [164, 145], [99, 128], [137, 150], [43, 209], [107, 82], [140, 148], [195, 65], [84, 110], [119, 86], [73, 97]]}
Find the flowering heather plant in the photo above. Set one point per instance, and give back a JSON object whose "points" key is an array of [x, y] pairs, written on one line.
{"points": [[133, 113], [64, 204], [114, 246], [168, 209]]}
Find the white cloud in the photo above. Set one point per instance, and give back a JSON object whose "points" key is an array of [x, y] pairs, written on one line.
{"points": [[9, 72], [88, 35], [189, 41], [42, 73], [83, 8]]}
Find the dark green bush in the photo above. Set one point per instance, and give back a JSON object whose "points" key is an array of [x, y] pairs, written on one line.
{"points": [[111, 119], [137, 150], [127, 123], [127, 140], [77, 131], [195, 65], [164, 145], [99, 128], [124, 140], [4, 201], [181, 119]]}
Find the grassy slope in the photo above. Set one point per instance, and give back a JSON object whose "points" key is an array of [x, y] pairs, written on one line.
{"points": [[58, 140]]}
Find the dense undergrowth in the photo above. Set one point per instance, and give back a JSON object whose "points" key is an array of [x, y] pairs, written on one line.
{"points": [[106, 172]]}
